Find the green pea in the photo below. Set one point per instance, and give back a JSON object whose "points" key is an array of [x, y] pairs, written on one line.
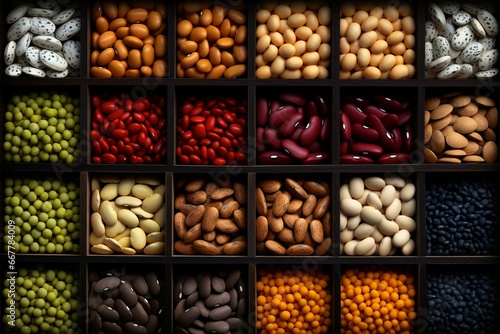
{"points": [[31, 197], [56, 138], [61, 112], [18, 210], [53, 121], [45, 195], [50, 112], [16, 141], [24, 302], [43, 216], [51, 223], [33, 139], [73, 142], [42, 241], [43, 124], [34, 247], [36, 234], [50, 247], [56, 147], [27, 239], [53, 193], [47, 233], [59, 248], [70, 159]]}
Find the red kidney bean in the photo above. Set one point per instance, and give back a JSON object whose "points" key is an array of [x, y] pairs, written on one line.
{"points": [[324, 133], [316, 158], [297, 132], [321, 105], [219, 161], [311, 132], [271, 137], [357, 159], [279, 115], [397, 138], [138, 117], [388, 103], [134, 128], [390, 121], [314, 147], [367, 149], [196, 119], [108, 158], [312, 109], [376, 111], [355, 114], [408, 138], [393, 158], [295, 150], [345, 126], [116, 114], [225, 142], [344, 148], [236, 129], [210, 123], [262, 111], [108, 107], [274, 158], [297, 99], [404, 117], [289, 125], [364, 133], [119, 133], [213, 135]]}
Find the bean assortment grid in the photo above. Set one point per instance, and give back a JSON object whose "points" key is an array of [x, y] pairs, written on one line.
{"points": [[214, 302], [293, 40], [121, 301], [129, 39], [211, 40], [377, 41], [293, 301], [377, 301], [461, 217], [42, 126], [47, 301], [462, 302], [46, 213]]}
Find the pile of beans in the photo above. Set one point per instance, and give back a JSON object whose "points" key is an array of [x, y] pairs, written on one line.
{"points": [[129, 39], [212, 130], [126, 130], [211, 40], [377, 42], [43, 39], [377, 128], [124, 302], [460, 40], [46, 301], [460, 128], [293, 128], [210, 216], [376, 216], [462, 302], [377, 301], [293, 40], [293, 217], [46, 213], [210, 303], [293, 301], [42, 127], [461, 217], [128, 215]]}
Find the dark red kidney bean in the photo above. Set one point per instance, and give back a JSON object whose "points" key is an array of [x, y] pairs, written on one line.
{"points": [[274, 158], [134, 128], [390, 121], [229, 134], [295, 98], [297, 132], [188, 150], [96, 148], [108, 158], [360, 101], [408, 138], [404, 117], [397, 138], [210, 123], [355, 114], [153, 134], [192, 142], [119, 133], [312, 109], [197, 119], [345, 126], [324, 133], [138, 117], [367, 149], [120, 144], [376, 124], [311, 132], [296, 151], [314, 147], [388, 103], [127, 118], [108, 107], [148, 159], [236, 129], [186, 108], [235, 142], [364, 133], [185, 122], [262, 111], [289, 125], [142, 137], [241, 121], [393, 158], [316, 158], [271, 137], [259, 139], [278, 116], [218, 130], [321, 105], [374, 110], [147, 142], [344, 148], [275, 105], [355, 159], [96, 160]]}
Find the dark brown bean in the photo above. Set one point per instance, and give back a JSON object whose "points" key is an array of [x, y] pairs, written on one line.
{"points": [[189, 286], [217, 327], [140, 285], [177, 292], [107, 313], [128, 294], [111, 328], [95, 321], [123, 310], [217, 299], [192, 299], [242, 308], [145, 303], [179, 309], [152, 325], [131, 328], [109, 302], [203, 309], [155, 306], [232, 278], [139, 314], [153, 283], [218, 284], [220, 313], [190, 315], [234, 323], [107, 283], [205, 286], [233, 302]]}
